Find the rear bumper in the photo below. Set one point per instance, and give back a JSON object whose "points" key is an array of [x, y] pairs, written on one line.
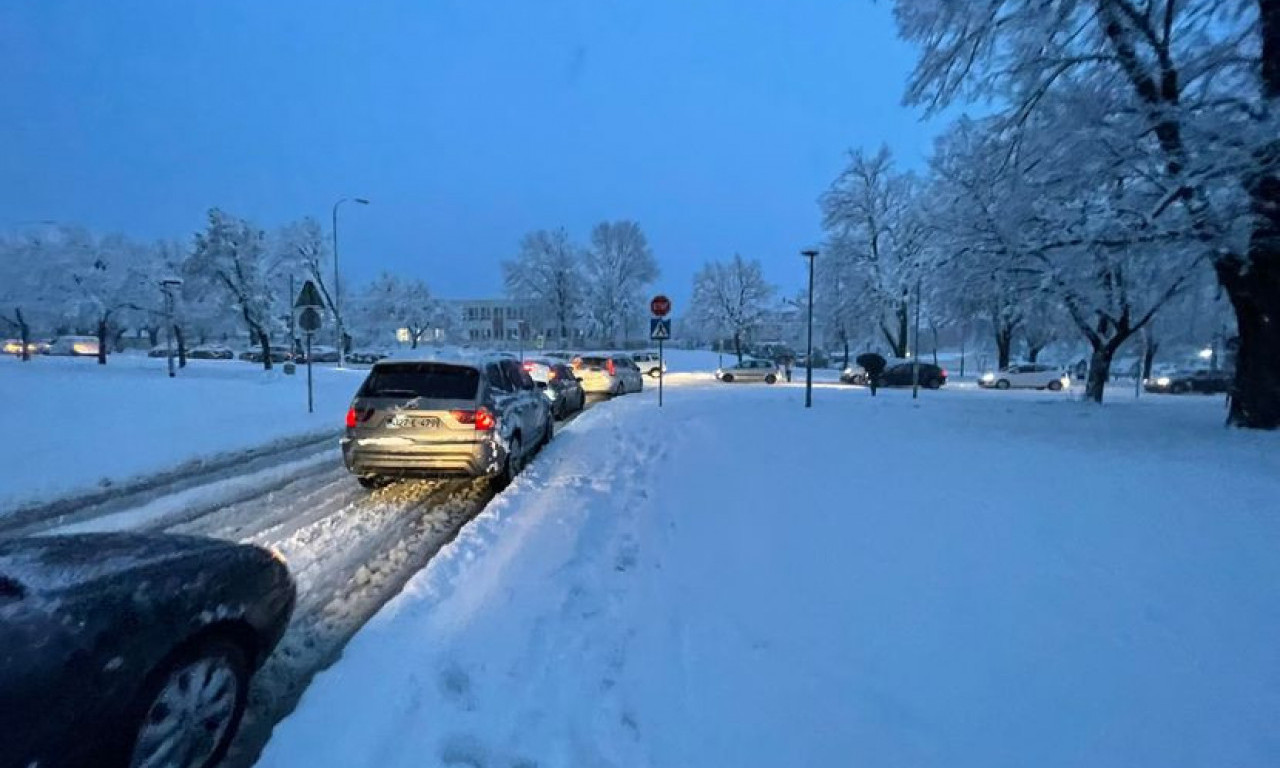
{"points": [[599, 385], [370, 456]]}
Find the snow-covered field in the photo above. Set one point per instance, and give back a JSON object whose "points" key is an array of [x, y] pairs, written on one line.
{"points": [[74, 426], [974, 579]]}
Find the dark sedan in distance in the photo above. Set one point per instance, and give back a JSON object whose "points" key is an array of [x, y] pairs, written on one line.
{"points": [[898, 374], [1203, 380], [135, 650]]}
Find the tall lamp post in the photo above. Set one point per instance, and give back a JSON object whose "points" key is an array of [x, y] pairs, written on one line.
{"points": [[337, 287], [808, 354], [167, 287]]}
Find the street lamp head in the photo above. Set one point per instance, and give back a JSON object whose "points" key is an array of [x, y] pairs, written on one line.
{"points": [[361, 201], [809, 253], [171, 282]]}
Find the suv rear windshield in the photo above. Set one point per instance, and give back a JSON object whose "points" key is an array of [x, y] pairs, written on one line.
{"points": [[434, 380]]}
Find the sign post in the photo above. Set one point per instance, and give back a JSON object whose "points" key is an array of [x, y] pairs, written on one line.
{"points": [[660, 330], [307, 308]]}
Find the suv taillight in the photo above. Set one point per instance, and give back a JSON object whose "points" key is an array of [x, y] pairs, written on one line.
{"points": [[610, 367], [482, 418], [353, 418], [528, 365]]}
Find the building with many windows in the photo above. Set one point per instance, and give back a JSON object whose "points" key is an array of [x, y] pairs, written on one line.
{"points": [[490, 321]]}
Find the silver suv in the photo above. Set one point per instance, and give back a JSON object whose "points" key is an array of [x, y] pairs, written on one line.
{"points": [[429, 418]]}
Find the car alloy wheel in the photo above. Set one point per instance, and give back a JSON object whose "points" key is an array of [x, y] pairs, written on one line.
{"points": [[727, 378], [1055, 386], [771, 379], [194, 708], [1002, 384]]}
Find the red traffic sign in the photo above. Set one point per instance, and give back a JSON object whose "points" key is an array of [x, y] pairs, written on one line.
{"points": [[660, 306]]}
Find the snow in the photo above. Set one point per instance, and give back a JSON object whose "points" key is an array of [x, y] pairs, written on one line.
{"points": [[973, 579], [84, 426]]}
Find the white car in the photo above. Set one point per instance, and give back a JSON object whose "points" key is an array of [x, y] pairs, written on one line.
{"points": [[608, 374], [86, 346], [750, 370], [1027, 376], [649, 363]]}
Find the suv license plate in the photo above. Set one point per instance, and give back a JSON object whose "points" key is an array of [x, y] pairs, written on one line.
{"points": [[413, 422]]}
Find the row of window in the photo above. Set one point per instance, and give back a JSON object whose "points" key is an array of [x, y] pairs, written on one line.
{"points": [[489, 313], [487, 334]]}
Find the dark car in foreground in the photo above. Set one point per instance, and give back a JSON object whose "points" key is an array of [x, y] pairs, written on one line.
{"points": [[121, 649], [559, 383], [1202, 380], [898, 374]]}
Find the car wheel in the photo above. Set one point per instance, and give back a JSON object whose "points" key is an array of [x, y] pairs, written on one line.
{"points": [[1055, 386], [1180, 388], [727, 378], [548, 432], [934, 383], [771, 379], [190, 708], [620, 390], [510, 467], [370, 481], [1002, 384]]}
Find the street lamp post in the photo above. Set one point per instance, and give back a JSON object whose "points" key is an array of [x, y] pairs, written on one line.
{"points": [[167, 285], [808, 354], [337, 287]]}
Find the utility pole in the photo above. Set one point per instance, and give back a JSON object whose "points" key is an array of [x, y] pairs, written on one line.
{"points": [[915, 351], [337, 287], [808, 355]]}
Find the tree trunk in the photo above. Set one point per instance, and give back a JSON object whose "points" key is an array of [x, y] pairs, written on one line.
{"points": [[24, 335], [1099, 372], [902, 329], [934, 328], [737, 345], [265, 343], [1254, 290], [153, 335], [182, 345], [846, 353], [1004, 345], [1033, 352], [1149, 357], [102, 341]]}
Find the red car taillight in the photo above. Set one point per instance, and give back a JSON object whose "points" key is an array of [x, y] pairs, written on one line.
{"points": [[352, 418], [944, 373], [482, 418], [528, 365], [611, 368]]}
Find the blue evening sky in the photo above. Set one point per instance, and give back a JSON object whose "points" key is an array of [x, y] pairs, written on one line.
{"points": [[714, 123]]}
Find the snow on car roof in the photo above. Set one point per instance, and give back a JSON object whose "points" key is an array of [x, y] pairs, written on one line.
{"points": [[446, 355]]}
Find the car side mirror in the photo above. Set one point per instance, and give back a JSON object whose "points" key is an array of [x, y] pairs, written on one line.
{"points": [[578, 379]]}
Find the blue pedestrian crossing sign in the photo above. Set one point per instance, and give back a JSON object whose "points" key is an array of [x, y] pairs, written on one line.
{"points": [[659, 329]]}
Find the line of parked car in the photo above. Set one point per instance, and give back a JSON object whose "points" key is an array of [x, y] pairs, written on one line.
{"points": [[482, 415]]}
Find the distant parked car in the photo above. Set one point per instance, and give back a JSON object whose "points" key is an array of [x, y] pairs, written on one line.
{"points": [[83, 346], [320, 354], [649, 363], [750, 370], [559, 383], [473, 417], [819, 359], [279, 354], [1027, 376], [364, 356], [608, 374], [1202, 380], [211, 352], [897, 374], [14, 347], [121, 649], [160, 351]]}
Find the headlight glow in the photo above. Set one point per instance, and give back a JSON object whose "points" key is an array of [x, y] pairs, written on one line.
{"points": [[1163, 381], [988, 376]]}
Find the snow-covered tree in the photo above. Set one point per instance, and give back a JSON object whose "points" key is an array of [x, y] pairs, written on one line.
{"points": [[838, 302], [1180, 96], [872, 217], [302, 248], [731, 298], [231, 255], [618, 266], [109, 277], [546, 276], [31, 286], [390, 303]]}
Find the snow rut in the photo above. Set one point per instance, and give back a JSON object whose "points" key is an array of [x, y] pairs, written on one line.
{"points": [[349, 551]]}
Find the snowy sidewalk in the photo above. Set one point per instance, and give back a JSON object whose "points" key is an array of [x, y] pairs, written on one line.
{"points": [[989, 579]]}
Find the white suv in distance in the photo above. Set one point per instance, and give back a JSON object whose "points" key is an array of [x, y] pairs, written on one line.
{"points": [[649, 363], [608, 374], [1027, 376]]}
